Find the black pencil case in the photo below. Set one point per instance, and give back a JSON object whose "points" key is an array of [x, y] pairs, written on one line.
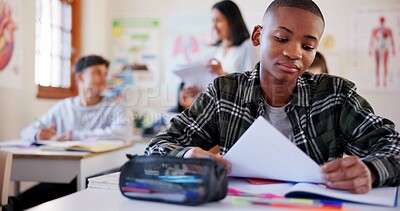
{"points": [[188, 181]]}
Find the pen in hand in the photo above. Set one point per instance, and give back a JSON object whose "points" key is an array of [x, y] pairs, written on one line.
{"points": [[45, 133]]}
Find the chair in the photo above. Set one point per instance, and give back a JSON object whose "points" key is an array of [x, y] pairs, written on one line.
{"points": [[5, 169]]}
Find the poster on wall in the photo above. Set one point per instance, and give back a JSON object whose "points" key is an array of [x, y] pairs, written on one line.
{"points": [[375, 47], [187, 41], [136, 49], [10, 44]]}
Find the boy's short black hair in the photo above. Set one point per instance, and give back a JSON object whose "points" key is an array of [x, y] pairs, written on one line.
{"points": [[87, 61], [307, 5]]}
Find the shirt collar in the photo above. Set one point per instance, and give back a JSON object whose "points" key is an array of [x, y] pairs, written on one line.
{"points": [[302, 94]]}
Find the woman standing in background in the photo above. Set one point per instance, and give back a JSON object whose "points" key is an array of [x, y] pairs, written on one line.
{"points": [[234, 50]]}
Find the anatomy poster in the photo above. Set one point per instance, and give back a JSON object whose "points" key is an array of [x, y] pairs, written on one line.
{"points": [[136, 49], [375, 47], [187, 41], [10, 44]]}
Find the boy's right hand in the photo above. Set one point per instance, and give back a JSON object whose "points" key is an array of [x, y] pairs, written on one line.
{"points": [[46, 133], [198, 152]]}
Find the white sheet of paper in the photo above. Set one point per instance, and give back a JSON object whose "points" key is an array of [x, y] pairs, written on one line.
{"points": [[195, 74], [263, 152], [15, 143]]}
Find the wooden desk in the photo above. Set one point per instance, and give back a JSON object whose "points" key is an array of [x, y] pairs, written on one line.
{"points": [[33, 164], [102, 199]]}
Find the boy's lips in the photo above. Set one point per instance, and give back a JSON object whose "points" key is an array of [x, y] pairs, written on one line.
{"points": [[288, 67]]}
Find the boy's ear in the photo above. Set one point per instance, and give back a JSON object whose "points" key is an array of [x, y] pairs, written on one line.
{"points": [[255, 36], [79, 76]]}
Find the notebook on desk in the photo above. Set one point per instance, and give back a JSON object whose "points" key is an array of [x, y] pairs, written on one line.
{"points": [[384, 196], [96, 146], [267, 145]]}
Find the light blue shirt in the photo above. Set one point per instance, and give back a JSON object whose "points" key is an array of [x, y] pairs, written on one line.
{"points": [[105, 120]]}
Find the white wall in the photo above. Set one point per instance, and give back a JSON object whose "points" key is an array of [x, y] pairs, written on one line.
{"points": [[20, 106]]}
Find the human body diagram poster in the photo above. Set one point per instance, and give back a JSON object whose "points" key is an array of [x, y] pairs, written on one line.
{"points": [[10, 44], [375, 47]]}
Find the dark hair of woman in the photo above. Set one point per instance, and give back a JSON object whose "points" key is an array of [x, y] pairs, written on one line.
{"points": [[237, 26]]}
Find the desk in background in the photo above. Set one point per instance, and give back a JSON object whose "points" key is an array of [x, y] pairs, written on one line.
{"points": [[33, 164]]}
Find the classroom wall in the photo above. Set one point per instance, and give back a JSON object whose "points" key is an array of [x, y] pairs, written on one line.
{"points": [[20, 106]]}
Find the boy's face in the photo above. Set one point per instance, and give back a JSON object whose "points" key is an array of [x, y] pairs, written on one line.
{"points": [[288, 42], [93, 79]]}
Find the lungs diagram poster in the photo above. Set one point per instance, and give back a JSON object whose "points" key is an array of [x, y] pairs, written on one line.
{"points": [[10, 44], [375, 47], [188, 39]]}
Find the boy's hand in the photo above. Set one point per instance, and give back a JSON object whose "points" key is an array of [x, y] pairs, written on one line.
{"points": [[66, 136], [350, 174], [46, 133], [215, 66], [197, 152]]}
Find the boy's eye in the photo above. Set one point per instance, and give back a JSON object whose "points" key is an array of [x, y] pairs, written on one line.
{"points": [[308, 47], [279, 39]]}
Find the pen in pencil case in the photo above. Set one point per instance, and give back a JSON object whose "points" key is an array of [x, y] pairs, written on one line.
{"points": [[186, 195], [150, 189], [190, 192], [180, 179], [173, 197], [154, 185]]}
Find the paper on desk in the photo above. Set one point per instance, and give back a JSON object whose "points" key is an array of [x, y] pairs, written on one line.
{"points": [[263, 152], [15, 143], [195, 74]]}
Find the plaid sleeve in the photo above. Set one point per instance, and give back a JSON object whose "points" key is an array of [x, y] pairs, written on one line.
{"points": [[372, 138], [195, 127]]}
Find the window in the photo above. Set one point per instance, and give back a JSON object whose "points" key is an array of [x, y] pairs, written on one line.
{"points": [[57, 46]]}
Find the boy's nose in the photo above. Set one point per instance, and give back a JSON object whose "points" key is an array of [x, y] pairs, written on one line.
{"points": [[293, 52]]}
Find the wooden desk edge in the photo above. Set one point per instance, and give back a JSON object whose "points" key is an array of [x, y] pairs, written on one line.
{"points": [[73, 157]]}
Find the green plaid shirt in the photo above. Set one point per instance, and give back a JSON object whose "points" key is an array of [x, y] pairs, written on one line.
{"points": [[327, 115]]}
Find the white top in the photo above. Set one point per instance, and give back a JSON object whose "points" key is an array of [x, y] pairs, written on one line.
{"points": [[105, 120], [238, 58]]}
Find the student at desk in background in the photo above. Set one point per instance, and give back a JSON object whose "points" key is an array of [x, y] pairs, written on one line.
{"points": [[89, 115], [319, 65], [186, 96], [321, 114]]}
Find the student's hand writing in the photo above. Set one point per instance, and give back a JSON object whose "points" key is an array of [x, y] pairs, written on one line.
{"points": [[349, 173], [66, 136], [215, 66], [197, 152], [46, 133]]}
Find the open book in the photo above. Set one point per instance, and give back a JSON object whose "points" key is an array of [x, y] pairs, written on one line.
{"points": [[384, 196], [93, 146]]}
